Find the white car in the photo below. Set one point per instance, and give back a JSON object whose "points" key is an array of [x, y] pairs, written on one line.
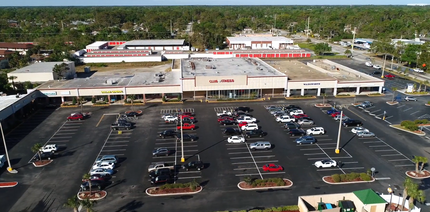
{"points": [[418, 70], [224, 113], [170, 119], [247, 119], [49, 148], [365, 134], [236, 139], [377, 66], [409, 98], [306, 122], [355, 130], [296, 112], [369, 64], [249, 127], [101, 171], [284, 119], [104, 165], [325, 163], [315, 131], [343, 118]]}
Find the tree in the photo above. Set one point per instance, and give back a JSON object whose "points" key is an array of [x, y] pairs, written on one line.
{"points": [[348, 52], [324, 95], [132, 97], [12, 78], [394, 89], [87, 203], [36, 149], [385, 47], [87, 178], [73, 203], [415, 194], [424, 160], [320, 48], [406, 186], [59, 69], [419, 160], [81, 102]]}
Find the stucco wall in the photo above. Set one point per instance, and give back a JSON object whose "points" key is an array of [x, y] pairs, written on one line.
{"points": [[32, 77]]}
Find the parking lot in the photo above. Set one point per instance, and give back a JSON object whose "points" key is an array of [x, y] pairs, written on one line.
{"points": [[225, 164]]}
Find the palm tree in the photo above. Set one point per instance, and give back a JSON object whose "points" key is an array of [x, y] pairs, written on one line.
{"points": [[394, 89], [324, 95], [132, 97], [415, 194], [87, 203], [36, 149], [12, 78], [424, 160], [81, 101], [87, 177], [385, 47], [73, 202], [406, 186], [416, 160]]}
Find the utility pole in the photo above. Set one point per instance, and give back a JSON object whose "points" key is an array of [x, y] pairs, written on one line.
{"points": [[171, 32], [9, 168], [337, 151], [182, 141], [274, 28], [307, 31]]}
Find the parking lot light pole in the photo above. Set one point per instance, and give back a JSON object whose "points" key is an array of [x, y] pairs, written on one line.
{"points": [[182, 142], [9, 168], [337, 151]]}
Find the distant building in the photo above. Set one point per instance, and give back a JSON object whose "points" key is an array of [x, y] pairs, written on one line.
{"points": [[42, 72], [416, 41], [22, 48], [263, 42], [5, 53]]}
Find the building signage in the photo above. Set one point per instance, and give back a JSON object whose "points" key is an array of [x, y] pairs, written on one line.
{"points": [[50, 93], [117, 91], [65, 92], [221, 81], [313, 83]]}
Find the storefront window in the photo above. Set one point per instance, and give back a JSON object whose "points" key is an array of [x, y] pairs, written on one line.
{"points": [[234, 94]]}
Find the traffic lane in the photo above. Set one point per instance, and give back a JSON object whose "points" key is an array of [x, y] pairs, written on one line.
{"points": [[58, 175]]}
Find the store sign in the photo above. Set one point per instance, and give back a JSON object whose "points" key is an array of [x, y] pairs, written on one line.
{"points": [[65, 92], [117, 91], [50, 93], [221, 81], [313, 83]]}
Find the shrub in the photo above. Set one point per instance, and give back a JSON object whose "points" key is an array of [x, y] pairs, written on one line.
{"points": [[352, 176], [342, 177], [365, 177], [421, 121], [412, 127], [428, 102], [93, 100], [290, 207], [336, 178], [248, 180], [74, 101], [406, 123], [164, 99]]}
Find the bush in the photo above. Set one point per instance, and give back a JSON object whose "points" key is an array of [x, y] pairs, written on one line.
{"points": [[248, 180], [164, 99], [421, 121], [93, 100], [336, 178], [352, 176], [412, 127], [406, 123], [365, 177], [343, 95], [74, 101], [342, 177]]}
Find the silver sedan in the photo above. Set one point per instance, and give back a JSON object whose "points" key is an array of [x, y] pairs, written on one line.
{"points": [[306, 122], [365, 134]]}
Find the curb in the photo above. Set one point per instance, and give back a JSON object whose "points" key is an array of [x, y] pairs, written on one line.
{"points": [[418, 178], [325, 105], [250, 100], [173, 194], [346, 183], [134, 104], [392, 126], [102, 105], [167, 103], [428, 105], [94, 199], [350, 96], [375, 95], [304, 98], [395, 103], [8, 186], [69, 106], [265, 188], [38, 166]]}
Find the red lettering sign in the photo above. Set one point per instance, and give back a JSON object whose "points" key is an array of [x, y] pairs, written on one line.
{"points": [[213, 81], [221, 81]]}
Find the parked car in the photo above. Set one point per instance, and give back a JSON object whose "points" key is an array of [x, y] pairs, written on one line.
{"points": [[377, 66], [133, 113], [241, 124], [243, 108], [306, 122], [306, 140], [236, 139], [296, 132], [351, 122], [343, 118], [410, 98], [226, 118], [247, 119], [186, 137], [315, 131], [284, 119], [224, 113], [365, 134], [75, 116], [194, 165], [170, 119], [43, 156], [107, 158], [359, 129], [331, 111], [325, 163], [161, 151], [389, 76], [249, 127], [161, 171], [186, 126], [418, 70], [260, 145], [300, 116], [271, 167], [366, 104], [49, 148], [121, 126], [101, 171], [95, 185], [255, 133], [160, 165], [104, 165], [291, 125], [296, 112], [369, 64], [227, 122], [167, 133], [162, 179], [99, 177], [231, 131]]}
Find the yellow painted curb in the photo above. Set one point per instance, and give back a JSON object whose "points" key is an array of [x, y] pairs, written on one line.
{"points": [[310, 97], [375, 95], [166, 103], [350, 96], [128, 104], [104, 105], [68, 106]]}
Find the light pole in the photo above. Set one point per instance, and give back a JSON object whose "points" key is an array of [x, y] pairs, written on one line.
{"points": [[390, 191], [9, 168], [337, 151], [182, 142]]}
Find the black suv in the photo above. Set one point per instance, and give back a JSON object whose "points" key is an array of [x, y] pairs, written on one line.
{"points": [[231, 131], [162, 179], [227, 122], [168, 133], [243, 108], [291, 125], [186, 137], [95, 184], [255, 133], [159, 172], [351, 122], [121, 125], [297, 132], [196, 165]]}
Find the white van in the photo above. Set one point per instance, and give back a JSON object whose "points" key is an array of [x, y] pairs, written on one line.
{"points": [[260, 145], [2, 160]]}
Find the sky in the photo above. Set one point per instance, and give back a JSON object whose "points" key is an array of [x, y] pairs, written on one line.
{"points": [[24, 3]]}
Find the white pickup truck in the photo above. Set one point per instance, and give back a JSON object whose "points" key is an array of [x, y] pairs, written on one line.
{"points": [[224, 113], [249, 127], [156, 166], [247, 119], [49, 148], [170, 119], [284, 119]]}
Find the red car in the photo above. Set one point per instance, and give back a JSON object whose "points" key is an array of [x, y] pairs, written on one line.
{"points": [[336, 114], [298, 116], [271, 167], [186, 116], [390, 76], [187, 126], [243, 123], [75, 116], [226, 117]]}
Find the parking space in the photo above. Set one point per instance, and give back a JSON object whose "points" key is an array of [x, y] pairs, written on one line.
{"points": [[247, 162], [189, 150]]}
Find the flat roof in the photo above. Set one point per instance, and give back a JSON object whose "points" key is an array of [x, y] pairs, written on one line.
{"points": [[244, 39], [297, 70], [97, 44], [227, 67], [43, 67], [121, 77], [342, 74], [170, 42], [6, 101]]}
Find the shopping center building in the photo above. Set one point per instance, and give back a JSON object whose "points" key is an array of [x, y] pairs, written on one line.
{"points": [[215, 78]]}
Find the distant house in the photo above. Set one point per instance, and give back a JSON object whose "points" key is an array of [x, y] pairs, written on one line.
{"points": [[22, 48], [42, 72], [5, 53]]}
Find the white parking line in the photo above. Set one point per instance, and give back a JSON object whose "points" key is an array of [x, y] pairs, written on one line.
{"points": [[65, 133], [115, 145], [249, 150], [366, 142], [408, 109], [398, 159], [350, 162], [325, 139], [316, 148], [388, 117], [236, 153], [378, 146], [188, 172], [235, 148], [414, 112], [326, 144], [112, 150], [401, 106], [391, 155], [318, 153], [60, 141], [375, 111], [385, 150], [266, 156], [192, 177], [268, 161], [125, 141], [264, 173], [404, 165], [337, 169]]}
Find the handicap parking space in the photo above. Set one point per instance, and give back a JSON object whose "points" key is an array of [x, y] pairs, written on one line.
{"points": [[189, 150]]}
